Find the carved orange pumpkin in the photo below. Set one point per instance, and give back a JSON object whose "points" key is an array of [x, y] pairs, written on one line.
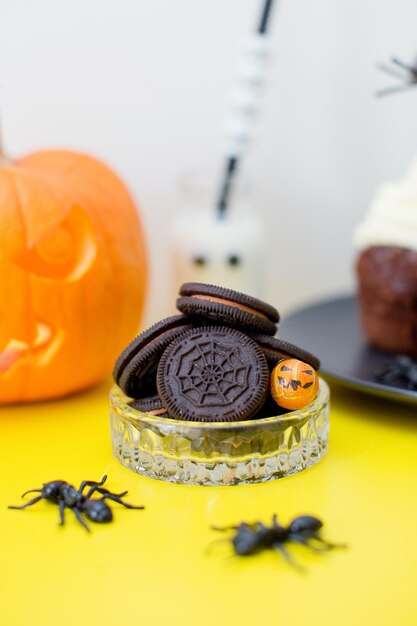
{"points": [[73, 273], [293, 384]]}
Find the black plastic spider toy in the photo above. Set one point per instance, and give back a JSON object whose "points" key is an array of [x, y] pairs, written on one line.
{"points": [[408, 76], [67, 497], [401, 371], [252, 538]]}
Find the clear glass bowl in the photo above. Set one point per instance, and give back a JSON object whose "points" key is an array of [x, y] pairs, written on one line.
{"points": [[221, 453]]}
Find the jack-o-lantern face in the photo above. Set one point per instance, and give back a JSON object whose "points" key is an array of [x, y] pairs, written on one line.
{"points": [[293, 384], [73, 270], [62, 254]]}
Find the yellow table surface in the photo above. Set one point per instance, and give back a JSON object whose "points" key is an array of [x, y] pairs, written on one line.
{"points": [[155, 566]]}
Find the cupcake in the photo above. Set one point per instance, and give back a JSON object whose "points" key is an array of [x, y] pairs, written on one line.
{"points": [[387, 266]]}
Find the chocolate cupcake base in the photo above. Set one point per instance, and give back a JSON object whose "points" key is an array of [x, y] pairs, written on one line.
{"points": [[387, 294]]}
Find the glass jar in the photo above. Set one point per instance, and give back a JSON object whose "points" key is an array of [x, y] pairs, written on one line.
{"points": [[225, 249]]}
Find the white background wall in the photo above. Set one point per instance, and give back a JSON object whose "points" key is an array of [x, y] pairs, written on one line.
{"points": [[144, 86]]}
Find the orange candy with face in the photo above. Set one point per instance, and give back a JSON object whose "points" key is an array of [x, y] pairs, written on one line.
{"points": [[73, 270], [293, 384]]}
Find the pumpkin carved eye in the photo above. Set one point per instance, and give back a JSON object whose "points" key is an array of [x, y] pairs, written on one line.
{"points": [[58, 247], [64, 253]]}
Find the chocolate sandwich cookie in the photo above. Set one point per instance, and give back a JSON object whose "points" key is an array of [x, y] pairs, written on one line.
{"points": [[144, 339], [228, 307], [212, 374], [135, 369], [269, 409], [152, 405], [276, 349]]}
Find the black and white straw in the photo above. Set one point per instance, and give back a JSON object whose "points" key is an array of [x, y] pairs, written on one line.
{"points": [[245, 103]]}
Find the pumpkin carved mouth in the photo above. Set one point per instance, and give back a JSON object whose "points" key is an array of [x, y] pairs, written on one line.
{"points": [[44, 346]]}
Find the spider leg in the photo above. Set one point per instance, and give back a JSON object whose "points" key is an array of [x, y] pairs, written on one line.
{"points": [[224, 528], [412, 384], [209, 549], [389, 90], [62, 512], [23, 506], [405, 66], [279, 547], [390, 70], [107, 492], [80, 519], [93, 484], [327, 545], [321, 546], [389, 375], [31, 491], [115, 498], [306, 542]]}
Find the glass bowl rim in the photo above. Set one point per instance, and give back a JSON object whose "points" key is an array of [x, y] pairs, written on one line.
{"points": [[117, 399]]}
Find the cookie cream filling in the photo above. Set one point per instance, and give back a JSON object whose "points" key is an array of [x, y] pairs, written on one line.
{"points": [[392, 216], [240, 306]]}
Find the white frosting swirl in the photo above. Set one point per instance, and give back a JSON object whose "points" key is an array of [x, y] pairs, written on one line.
{"points": [[392, 217]]}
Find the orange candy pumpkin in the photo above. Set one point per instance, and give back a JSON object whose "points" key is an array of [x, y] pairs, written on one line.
{"points": [[293, 384], [73, 270]]}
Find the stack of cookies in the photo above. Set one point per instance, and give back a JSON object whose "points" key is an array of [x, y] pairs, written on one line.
{"points": [[216, 361]]}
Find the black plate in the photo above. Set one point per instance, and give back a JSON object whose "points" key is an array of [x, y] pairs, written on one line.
{"points": [[330, 330]]}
